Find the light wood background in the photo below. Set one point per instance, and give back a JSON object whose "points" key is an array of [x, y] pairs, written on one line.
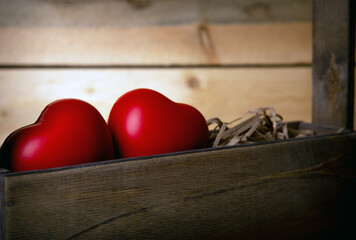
{"points": [[223, 57]]}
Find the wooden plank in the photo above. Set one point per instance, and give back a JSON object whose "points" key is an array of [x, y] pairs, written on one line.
{"points": [[333, 62], [226, 93], [190, 44], [2, 205], [131, 13], [285, 190]]}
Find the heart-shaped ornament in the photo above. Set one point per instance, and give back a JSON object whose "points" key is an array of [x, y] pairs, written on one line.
{"points": [[68, 132], [145, 122]]}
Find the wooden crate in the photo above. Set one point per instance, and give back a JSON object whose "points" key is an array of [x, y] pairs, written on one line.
{"points": [[290, 189]]}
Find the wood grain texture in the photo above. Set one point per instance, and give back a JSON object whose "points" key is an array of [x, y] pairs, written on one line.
{"points": [[154, 32], [284, 190], [333, 62], [300, 189], [2, 206], [190, 44], [226, 93], [131, 13]]}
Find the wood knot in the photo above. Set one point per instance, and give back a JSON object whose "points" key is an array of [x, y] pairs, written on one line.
{"points": [[258, 10], [4, 113], [343, 166], [139, 4], [90, 90], [193, 82]]}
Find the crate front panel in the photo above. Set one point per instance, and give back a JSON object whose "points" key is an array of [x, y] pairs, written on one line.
{"points": [[289, 189]]}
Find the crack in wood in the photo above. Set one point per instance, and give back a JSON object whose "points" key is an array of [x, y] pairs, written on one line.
{"points": [[343, 166], [127, 214], [333, 82], [207, 44]]}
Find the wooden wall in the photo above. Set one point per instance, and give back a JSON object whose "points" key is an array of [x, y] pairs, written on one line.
{"points": [[224, 57]]}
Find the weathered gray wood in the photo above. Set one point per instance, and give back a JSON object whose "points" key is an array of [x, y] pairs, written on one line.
{"points": [[108, 13], [333, 62], [300, 189], [2, 207]]}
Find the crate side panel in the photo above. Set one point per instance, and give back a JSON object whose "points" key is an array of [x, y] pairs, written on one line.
{"points": [[262, 190]]}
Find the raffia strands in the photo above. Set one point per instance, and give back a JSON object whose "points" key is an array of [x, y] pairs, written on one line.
{"points": [[262, 124]]}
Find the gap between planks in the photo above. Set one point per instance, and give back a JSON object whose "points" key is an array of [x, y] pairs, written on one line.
{"points": [[143, 66]]}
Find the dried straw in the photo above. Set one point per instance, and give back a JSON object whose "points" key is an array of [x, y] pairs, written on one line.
{"points": [[262, 124]]}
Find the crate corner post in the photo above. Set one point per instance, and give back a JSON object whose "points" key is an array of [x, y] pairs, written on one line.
{"points": [[333, 62]]}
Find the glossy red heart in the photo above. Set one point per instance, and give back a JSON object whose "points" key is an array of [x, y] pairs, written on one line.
{"points": [[145, 122], [68, 132]]}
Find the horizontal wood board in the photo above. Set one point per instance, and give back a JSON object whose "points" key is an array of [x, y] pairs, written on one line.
{"points": [[226, 93], [299, 189], [129, 13], [157, 32], [191, 44]]}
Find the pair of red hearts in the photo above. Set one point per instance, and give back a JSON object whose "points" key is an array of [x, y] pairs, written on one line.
{"points": [[70, 131]]}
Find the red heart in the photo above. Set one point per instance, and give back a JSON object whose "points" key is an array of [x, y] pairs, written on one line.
{"points": [[68, 132], [145, 122]]}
